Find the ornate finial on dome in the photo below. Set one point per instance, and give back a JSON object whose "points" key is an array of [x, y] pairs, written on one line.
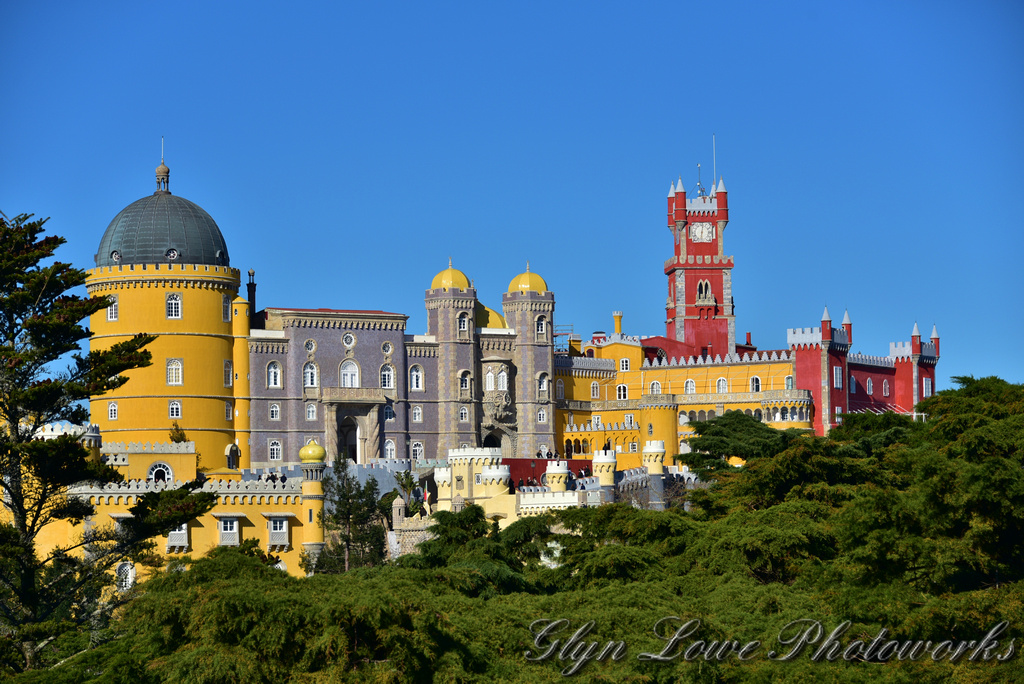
{"points": [[163, 174], [527, 265], [449, 262]]}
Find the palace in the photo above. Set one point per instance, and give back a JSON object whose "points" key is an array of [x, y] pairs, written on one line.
{"points": [[486, 407]]}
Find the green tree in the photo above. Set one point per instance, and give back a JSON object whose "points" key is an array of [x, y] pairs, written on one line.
{"points": [[47, 593], [354, 530]]}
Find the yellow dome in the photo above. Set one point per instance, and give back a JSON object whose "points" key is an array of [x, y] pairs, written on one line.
{"points": [[527, 282], [450, 278], [312, 453], [486, 317]]}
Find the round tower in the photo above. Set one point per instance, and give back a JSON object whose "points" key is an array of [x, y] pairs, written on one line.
{"points": [[163, 265], [312, 456], [654, 456], [495, 479], [557, 475], [604, 467]]}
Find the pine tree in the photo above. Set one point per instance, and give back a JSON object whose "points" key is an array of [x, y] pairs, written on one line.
{"points": [[47, 593], [352, 523]]}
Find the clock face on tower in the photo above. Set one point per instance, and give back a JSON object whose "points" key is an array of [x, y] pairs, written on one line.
{"points": [[701, 232]]}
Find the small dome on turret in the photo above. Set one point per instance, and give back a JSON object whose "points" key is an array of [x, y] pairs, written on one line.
{"points": [[162, 170], [527, 282], [312, 453], [450, 278]]}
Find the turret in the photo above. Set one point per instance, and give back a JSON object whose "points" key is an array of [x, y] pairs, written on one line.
{"points": [[238, 407], [312, 456], [654, 456], [398, 512], [557, 475], [826, 326], [848, 327], [671, 205], [935, 340], [680, 203], [723, 201], [915, 340], [617, 316], [604, 467]]}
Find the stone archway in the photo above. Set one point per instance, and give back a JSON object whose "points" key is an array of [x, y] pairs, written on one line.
{"points": [[348, 439]]}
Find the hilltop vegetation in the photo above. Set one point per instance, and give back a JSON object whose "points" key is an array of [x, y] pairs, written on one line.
{"points": [[911, 527]]}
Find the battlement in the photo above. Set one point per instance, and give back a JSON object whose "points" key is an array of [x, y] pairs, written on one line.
{"points": [[584, 363], [654, 446], [536, 503], [443, 476], [496, 473], [149, 448], [558, 468], [812, 336], [865, 360], [900, 350]]}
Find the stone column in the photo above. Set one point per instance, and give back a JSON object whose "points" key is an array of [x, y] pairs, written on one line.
{"points": [[331, 432]]}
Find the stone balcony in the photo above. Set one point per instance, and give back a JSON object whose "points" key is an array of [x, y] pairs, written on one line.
{"points": [[355, 395]]}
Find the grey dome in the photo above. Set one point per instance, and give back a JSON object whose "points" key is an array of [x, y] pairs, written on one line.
{"points": [[162, 228]]}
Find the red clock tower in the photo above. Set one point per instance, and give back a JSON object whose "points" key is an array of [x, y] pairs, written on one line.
{"points": [[699, 310]]}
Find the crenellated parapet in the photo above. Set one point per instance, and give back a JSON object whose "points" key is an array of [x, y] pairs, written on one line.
{"points": [[112, 448], [541, 502], [654, 456], [866, 360]]}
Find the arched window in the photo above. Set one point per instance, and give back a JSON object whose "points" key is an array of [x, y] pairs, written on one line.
{"points": [[275, 412], [417, 450], [757, 414], [542, 386], [869, 386], [273, 374], [416, 378], [689, 387], [389, 448], [650, 429], [124, 577], [692, 416], [655, 387], [464, 381], [174, 372], [309, 375], [160, 472], [789, 382], [387, 377], [174, 409], [349, 374], [489, 381], [542, 328], [112, 410], [568, 446], [784, 413], [623, 364], [503, 380], [463, 322], [229, 374], [853, 384], [621, 392], [586, 447], [722, 386], [559, 389], [683, 418], [595, 390], [225, 308], [112, 308], [389, 413], [885, 388], [542, 416], [463, 414], [174, 305], [702, 416], [711, 414], [755, 384], [275, 450], [311, 411]]}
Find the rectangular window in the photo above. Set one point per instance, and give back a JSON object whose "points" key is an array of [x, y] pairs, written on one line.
{"points": [[228, 374], [596, 420], [112, 309], [927, 388], [479, 478], [837, 377], [628, 420], [228, 532], [853, 385], [226, 308]]}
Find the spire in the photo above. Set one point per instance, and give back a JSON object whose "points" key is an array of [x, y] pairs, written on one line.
{"points": [[672, 190], [846, 318], [721, 184], [825, 316], [679, 187], [527, 265], [917, 331], [935, 332], [163, 177], [449, 262]]}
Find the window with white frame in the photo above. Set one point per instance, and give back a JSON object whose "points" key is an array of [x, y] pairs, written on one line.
{"points": [[174, 372], [417, 414], [632, 447], [225, 308], [927, 389], [650, 429], [387, 377], [689, 387], [542, 416], [311, 411], [542, 383], [112, 410], [596, 420], [464, 381], [229, 374], [416, 378], [173, 305], [837, 377], [655, 387], [479, 478], [869, 386], [559, 389], [623, 364], [275, 412], [789, 382], [389, 412], [160, 472], [853, 384], [389, 448], [489, 381], [112, 308], [595, 390], [349, 374], [542, 327], [417, 450], [273, 374], [229, 411], [621, 392], [722, 386], [309, 374], [274, 449], [755, 384], [229, 531], [463, 414], [885, 388], [502, 380], [278, 532], [628, 420], [463, 322]]}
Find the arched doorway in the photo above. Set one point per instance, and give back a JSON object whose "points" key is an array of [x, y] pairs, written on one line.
{"points": [[348, 440]]}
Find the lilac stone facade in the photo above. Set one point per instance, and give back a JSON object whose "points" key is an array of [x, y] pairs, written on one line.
{"points": [[357, 384]]}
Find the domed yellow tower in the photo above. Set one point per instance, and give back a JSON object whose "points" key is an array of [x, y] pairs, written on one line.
{"points": [[164, 264]]}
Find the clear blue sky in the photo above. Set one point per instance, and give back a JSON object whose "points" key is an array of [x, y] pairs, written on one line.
{"points": [[873, 151]]}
